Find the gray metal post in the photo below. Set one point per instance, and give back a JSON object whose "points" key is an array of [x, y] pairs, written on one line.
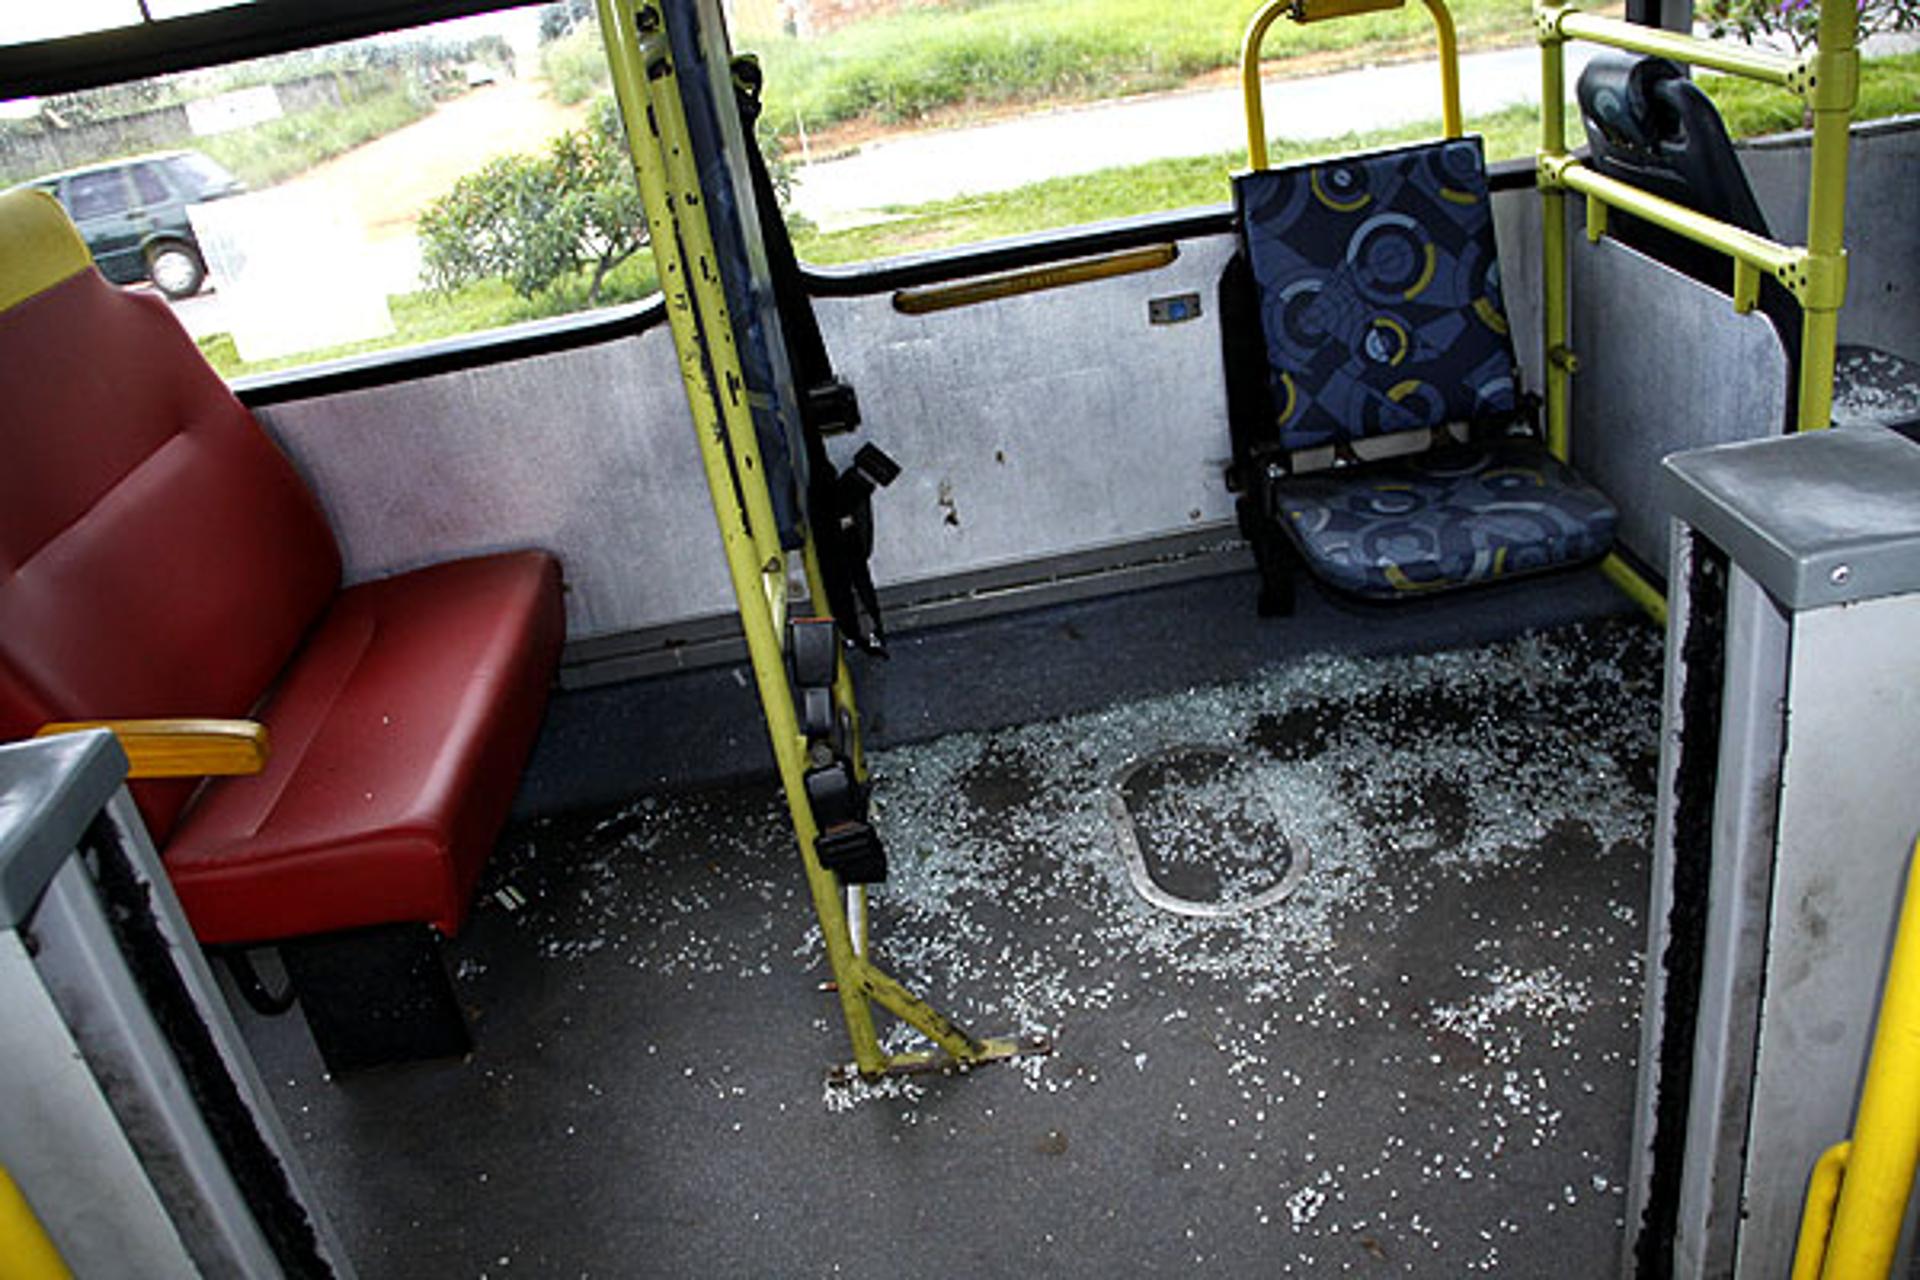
{"points": [[104, 1107], [1765, 961]]}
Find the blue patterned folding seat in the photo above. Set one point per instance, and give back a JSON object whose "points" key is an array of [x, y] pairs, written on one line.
{"points": [[1377, 291]]}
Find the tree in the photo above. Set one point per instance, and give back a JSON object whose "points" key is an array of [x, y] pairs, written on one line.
{"points": [[540, 220]]}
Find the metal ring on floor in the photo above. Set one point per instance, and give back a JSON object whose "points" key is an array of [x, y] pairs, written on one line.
{"points": [[1150, 889]]}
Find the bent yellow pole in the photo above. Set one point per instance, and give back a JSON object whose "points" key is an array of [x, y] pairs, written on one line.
{"points": [[646, 86], [1874, 1171]]}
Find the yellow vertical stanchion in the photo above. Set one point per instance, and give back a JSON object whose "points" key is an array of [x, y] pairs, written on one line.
{"points": [[646, 85], [1875, 1171], [25, 1251], [1557, 356], [1831, 85], [1558, 359], [1452, 120], [1816, 1219]]}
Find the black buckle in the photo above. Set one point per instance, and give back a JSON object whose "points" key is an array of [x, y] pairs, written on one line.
{"points": [[873, 463], [847, 844], [813, 645], [835, 796], [831, 408], [853, 853]]}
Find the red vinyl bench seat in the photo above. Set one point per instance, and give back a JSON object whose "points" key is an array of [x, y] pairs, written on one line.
{"points": [[160, 557]]}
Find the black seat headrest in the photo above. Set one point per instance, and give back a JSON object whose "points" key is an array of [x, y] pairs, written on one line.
{"points": [[1650, 125]]}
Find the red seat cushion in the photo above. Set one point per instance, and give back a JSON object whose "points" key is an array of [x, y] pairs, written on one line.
{"points": [[397, 738]]}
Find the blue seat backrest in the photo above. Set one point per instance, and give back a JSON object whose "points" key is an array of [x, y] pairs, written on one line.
{"points": [[1379, 292]]}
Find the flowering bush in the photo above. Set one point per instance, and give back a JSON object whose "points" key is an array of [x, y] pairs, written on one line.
{"points": [[1797, 20]]}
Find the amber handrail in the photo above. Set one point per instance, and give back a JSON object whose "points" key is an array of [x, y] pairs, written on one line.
{"points": [[1007, 284], [1304, 11]]}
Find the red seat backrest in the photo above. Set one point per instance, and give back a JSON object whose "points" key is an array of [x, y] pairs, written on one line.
{"points": [[158, 555]]}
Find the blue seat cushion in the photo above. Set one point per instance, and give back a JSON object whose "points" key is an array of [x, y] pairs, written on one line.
{"points": [[1379, 292], [1445, 518]]}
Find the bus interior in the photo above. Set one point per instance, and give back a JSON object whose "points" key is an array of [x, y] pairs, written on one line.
{"points": [[1073, 817]]}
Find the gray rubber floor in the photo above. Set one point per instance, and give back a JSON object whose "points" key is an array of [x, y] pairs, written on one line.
{"points": [[1419, 1063]]}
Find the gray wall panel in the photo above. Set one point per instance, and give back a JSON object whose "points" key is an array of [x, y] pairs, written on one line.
{"points": [[1047, 425], [1042, 424], [1665, 365], [1883, 234], [589, 453]]}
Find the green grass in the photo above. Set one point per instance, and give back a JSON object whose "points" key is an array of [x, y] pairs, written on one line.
{"points": [[267, 153], [1151, 187], [997, 52], [1889, 86]]}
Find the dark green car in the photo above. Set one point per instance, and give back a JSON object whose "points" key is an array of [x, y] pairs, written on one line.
{"points": [[133, 215]]}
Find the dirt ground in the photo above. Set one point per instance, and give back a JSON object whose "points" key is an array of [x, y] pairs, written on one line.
{"points": [[389, 180]]}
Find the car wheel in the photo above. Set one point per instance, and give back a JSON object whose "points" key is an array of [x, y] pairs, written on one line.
{"points": [[175, 269]]}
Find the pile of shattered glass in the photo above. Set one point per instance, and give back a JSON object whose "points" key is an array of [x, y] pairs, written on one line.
{"points": [[1467, 834]]}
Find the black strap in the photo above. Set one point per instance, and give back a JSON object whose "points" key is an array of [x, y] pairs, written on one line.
{"points": [[1251, 422], [839, 503]]}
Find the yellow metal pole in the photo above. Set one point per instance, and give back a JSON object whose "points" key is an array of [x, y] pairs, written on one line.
{"points": [[1886, 1130], [1776, 259], [1830, 82], [1250, 81], [1741, 60], [1635, 587], [1828, 79], [1319, 11], [1451, 118], [25, 1251], [1816, 1219], [1555, 352]]}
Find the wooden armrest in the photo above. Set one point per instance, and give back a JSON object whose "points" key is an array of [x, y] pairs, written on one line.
{"points": [[181, 748]]}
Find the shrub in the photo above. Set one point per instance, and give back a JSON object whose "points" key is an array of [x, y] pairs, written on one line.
{"points": [[538, 221], [1798, 20]]}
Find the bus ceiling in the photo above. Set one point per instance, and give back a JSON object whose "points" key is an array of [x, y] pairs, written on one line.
{"points": [[260, 28]]}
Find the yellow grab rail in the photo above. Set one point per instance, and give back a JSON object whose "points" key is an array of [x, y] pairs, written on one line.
{"points": [[1827, 78], [1008, 284], [1318, 11], [1858, 1196]]}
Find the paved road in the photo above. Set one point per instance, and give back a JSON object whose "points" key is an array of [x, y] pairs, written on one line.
{"points": [[1012, 153]]}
